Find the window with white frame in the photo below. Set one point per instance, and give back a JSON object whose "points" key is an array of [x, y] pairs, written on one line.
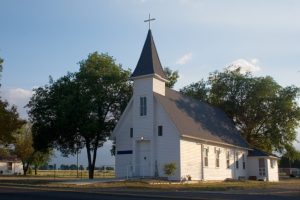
{"points": [[228, 159], [217, 152], [143, 106], [273, 163], [9, 166], [205, 157], [236, 159]]}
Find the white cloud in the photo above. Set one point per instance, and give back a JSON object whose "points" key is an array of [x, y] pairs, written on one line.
{"points": [[184, 59], [245, 65], [19, 97]]}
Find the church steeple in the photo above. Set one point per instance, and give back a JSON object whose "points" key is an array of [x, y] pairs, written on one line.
{"points": [[149, 63]]}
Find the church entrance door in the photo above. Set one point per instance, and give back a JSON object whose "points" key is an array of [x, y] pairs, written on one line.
{"points": [[143, 158]]}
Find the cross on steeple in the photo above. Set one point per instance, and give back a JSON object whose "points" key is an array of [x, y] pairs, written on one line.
{"points": [[149, 20]]}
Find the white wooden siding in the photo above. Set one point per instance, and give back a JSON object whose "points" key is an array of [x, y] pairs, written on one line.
{"points": [[123, 165], [253, 166], [143, 125], [190, 154], [272, 172], [166, 147], [159, 87], [124, 143]]}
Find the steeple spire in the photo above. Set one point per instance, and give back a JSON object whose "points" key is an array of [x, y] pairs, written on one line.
{"points": [[149, 63]]}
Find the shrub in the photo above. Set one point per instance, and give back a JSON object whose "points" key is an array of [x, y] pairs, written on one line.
{"points": [[169, 169]]}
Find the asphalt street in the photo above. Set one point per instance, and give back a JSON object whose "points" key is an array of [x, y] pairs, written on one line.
{"points": [[19, 193]]}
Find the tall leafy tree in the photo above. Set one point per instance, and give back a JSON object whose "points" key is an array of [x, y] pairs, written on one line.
{"points": [[266, 113], [81, 109], [9, 119], [172, 77], [40, 158], [9, 122], [23, 146], [24, 149]]}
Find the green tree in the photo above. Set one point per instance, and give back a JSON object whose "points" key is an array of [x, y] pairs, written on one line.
{"points": [[23, 146], [40, 159], [198, 90], [9, 122], [9, 119], [266, 113], [81, 109], [172, 77]]}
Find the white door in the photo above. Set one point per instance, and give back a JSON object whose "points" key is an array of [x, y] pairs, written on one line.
{"points": [[143, 158], [262, 167]]}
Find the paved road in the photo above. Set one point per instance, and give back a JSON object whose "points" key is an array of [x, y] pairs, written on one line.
{"points": [[19, 193]]}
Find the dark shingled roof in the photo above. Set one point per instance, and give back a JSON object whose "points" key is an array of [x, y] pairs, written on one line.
{"points": [[9, 158], [198, 119], [149, 62], [257, 152]]}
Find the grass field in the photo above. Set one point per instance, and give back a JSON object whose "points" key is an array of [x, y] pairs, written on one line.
{"points": [[73, 173], [283, 185], [45, 179]]}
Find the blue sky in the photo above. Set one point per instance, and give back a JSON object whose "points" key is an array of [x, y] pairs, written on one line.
{"points": [[39, 38]]}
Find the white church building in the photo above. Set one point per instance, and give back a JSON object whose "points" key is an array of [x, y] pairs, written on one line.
{"points": [[161, 126]]}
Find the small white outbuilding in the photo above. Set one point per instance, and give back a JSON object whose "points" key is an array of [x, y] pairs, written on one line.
{"points": [[10, 165], [267, 165], [161, 126]]}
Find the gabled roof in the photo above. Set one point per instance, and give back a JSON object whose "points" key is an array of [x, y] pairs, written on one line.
{"points": [[197, 119], [9, 158], [149, 62], [260, 153]]}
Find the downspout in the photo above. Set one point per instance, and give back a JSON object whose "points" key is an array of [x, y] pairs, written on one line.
{"points": [[202, 166]]}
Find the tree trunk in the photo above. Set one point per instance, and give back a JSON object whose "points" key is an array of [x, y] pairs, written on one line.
{"points": [[91, 165], [25, 168], [35, 170], [94, 159]]}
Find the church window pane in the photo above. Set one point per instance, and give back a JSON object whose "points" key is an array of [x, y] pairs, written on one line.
{"points": [[237, 159], [160, 130], [205, 157], [273, 163], [131, 132], [143, 106], [244, 162], [228, 159], [217, 158]]}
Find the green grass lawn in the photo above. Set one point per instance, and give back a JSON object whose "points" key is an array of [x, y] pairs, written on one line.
{"points": [[154, 185]]}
